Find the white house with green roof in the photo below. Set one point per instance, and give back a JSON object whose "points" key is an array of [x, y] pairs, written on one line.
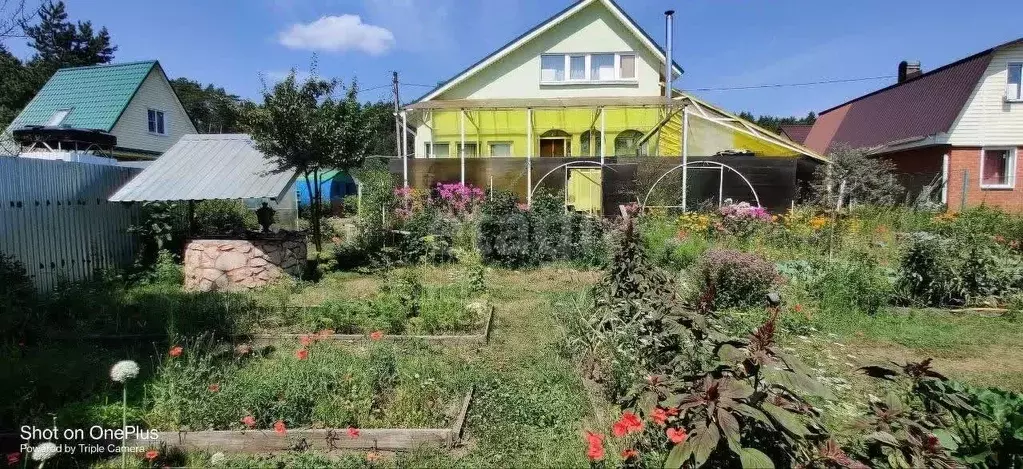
{"points": [[133, 102]]}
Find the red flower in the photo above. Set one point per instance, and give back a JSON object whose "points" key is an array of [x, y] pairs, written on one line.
{"points": [[677, 435], [302, 354], [595, 451], [619, 429], [215, 387], [279, 427], [13, 459], [353, 432], [659, 416], [151, 455], [629, 453], [672, 411], [176, 350], [305, 340], [249, 421], [376, 335]]}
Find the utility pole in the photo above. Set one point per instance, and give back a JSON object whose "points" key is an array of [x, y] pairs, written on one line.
{"points": [[397, 111]]}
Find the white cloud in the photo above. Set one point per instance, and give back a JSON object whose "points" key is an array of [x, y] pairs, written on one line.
{"points": [[338, 34]]}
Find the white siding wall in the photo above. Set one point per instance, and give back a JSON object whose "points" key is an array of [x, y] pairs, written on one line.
{"points": [[592, 30], [987, 119], [132, 129]]}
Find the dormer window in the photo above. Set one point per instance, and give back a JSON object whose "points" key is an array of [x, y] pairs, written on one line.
{"points": [[157, 125], [58, 118], [557, 69]]}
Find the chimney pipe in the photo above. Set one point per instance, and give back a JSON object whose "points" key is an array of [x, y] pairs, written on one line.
{"points": [[669, 26], [909, 70]]}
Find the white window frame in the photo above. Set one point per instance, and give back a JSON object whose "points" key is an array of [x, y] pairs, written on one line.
{"points": [[1019, 86], [511, 147], [588, 61], [431, 147], [158, 114], [475, 147], [1011, 169]]}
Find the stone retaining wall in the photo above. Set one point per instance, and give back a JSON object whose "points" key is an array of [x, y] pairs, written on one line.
{"points": [[236, 264]]}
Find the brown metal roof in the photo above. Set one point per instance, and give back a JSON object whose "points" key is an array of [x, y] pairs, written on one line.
{"points": [[796, 132], [916, 108]]}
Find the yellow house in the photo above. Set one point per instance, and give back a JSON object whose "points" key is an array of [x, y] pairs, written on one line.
{"points": [[566, 103]]}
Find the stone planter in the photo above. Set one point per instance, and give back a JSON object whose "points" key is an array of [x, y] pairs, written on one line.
{"points": [[242, 264]]}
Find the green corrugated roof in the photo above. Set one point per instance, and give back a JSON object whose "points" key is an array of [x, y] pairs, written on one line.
{"points": [[96, 95]]}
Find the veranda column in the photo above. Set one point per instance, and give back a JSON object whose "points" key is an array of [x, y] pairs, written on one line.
{"points": [[404, 148], [685, 156], [461, 153], [603, 141], [529, 157]]}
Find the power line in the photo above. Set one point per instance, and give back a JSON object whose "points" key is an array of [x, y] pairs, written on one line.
{"points": [[785, 85]]}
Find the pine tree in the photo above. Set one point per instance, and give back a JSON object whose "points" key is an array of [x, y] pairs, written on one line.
{"points": [[60, 43]]}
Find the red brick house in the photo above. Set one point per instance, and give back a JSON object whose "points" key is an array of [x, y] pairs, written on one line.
{"points": [[960, 124]]}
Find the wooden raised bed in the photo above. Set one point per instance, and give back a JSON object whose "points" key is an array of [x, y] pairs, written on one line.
{"points": [[324, 440]]}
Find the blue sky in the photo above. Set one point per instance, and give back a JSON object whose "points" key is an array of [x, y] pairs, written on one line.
{"points": [[720, 43]]}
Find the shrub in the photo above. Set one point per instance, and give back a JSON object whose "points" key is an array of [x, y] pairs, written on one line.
{"points": [[867, 180], [731, 278], [854, 285], [215, 217], [938, 270], [17, 296], [505, 232], [742, 219]]}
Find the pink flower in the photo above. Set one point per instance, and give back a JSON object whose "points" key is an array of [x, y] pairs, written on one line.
{"points": [[353, 432], [176, 351], [376, 335], [249, 421], [677, 435], [302, 354], [280, 428], [305, 340]]}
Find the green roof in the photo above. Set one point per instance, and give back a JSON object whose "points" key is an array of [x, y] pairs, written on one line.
{"points": [[96, 95]]}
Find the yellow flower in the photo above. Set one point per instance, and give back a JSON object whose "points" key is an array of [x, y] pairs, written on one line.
{"points": [[818, 222]]}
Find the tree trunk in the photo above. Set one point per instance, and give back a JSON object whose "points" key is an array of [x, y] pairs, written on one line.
{"points": [[316, 201]]}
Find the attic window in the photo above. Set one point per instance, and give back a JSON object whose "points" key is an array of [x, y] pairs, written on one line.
{"points": [[1014, 84], [156, 122], [58, 118], [613, 68]]}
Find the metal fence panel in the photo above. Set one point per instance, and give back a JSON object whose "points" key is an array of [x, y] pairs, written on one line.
{"points": [[56, 220]]}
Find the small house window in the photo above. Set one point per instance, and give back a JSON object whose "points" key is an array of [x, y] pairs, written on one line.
{"points": [[627, 143], [437, 150], [627, 67], [470, 150], [1014, 84], [58, 118], [590, 143], [998, 168], [500, 149], [157, 125], [552, 68]]}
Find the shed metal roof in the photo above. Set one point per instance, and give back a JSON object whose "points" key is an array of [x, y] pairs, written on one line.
{"points": [[95, 95], [204, 167]]}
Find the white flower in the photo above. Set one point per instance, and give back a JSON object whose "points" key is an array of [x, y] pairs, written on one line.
{"points": [[44, 451], [124, 370], [216, 459]]}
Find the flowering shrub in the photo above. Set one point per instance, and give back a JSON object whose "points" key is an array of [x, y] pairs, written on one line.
{"points": [[456, 199], [730, 278], [692, 223], [742, 219], [967, 269]]}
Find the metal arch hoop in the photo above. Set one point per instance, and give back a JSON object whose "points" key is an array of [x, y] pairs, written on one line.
{"points": [[707, 163], [566, 165]]}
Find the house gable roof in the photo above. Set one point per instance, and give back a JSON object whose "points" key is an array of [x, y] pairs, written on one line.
{"points": [[926, 105], [539, 29], [96, 95], [796, 132]]}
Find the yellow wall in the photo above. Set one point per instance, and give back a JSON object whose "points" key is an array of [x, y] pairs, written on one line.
{"points": [[487, 126]]}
